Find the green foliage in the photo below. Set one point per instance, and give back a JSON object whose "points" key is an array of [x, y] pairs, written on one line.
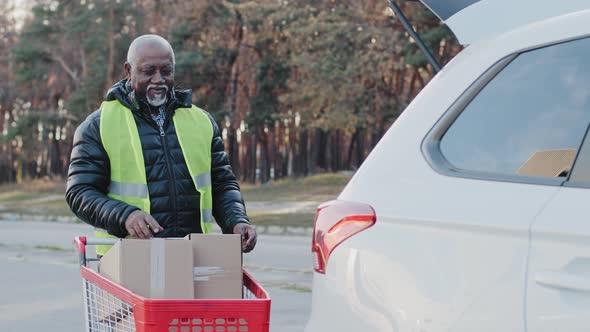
{"points": [[337, 66], [66, 43], [29, 122], [31, 63], [335, 49], [271, 79], [203, 58], [431, 38]]}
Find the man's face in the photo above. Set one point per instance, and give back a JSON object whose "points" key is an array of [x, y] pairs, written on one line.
{"points": [[152, 75]]}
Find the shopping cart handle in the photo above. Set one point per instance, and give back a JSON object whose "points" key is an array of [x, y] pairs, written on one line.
{"points": [[92, 241], [82, 241]]}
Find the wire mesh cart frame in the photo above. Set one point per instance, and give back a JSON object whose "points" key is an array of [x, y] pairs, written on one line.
{"points": [[110, 307]]}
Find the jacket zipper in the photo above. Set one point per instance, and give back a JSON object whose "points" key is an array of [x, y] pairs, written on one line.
{"points": [[171, 186]]}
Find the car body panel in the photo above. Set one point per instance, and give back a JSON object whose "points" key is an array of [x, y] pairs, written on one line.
{"points": [[447, 252], [387, 278], [558, 293], [475, 20]]}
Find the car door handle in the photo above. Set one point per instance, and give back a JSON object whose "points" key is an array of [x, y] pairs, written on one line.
{"points": [[563, 280]]}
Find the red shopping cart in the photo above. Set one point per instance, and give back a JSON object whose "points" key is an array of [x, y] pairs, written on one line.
{"points": [[111, 307]]}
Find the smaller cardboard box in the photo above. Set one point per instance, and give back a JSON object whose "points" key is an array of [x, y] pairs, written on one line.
{"points": [[153, 268], [217, 265], [118, 321]]}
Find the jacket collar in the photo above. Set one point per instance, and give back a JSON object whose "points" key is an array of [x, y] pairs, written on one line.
{"points": [[122, 91]]}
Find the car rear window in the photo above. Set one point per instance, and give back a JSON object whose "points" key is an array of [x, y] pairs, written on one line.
{"points": [[528, 120]]}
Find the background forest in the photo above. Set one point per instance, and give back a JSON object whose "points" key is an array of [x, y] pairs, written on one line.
{"points": [[298, 87]]}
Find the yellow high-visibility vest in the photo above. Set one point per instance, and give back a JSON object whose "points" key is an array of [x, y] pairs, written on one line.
{"points": [[120, 139]]}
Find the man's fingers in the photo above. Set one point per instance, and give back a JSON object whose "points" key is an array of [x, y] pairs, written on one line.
{"points": [[251, 242], [137, 231], [153, 224], [145, 232], [131, 231], [249, 246], [249, 239], [138, 234], [139, 223], [250, 236]]}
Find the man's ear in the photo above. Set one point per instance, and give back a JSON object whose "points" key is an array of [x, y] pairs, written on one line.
{"points": [[127, 68]]}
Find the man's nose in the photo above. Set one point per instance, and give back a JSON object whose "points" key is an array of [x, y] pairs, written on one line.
{"points": [[158, 77]]}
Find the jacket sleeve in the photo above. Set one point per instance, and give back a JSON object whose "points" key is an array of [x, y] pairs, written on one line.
{"points": [[88, 181], [228, 205]]}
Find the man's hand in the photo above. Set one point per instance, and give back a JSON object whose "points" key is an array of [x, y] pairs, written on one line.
{"points": [[139, 223], [248, 236]]}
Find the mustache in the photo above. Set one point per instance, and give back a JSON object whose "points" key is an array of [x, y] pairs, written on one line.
{"points": [[157, 86]]}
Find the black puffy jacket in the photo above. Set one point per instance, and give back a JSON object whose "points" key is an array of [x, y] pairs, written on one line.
{"points": [[173, 197]]}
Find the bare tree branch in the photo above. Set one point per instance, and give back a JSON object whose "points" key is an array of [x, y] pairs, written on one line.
{"points": [[72, 73]]}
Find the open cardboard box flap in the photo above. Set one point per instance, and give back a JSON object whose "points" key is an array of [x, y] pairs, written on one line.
{"points": [[217, 262]]}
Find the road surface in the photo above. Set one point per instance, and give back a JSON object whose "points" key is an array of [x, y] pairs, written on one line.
{"points": [[42, 290]]}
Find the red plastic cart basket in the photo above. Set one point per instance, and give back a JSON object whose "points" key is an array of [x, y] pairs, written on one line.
{"points": [[111, 307]]}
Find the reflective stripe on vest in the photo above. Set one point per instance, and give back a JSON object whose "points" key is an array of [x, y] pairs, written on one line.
{"points": [[120, 139]]}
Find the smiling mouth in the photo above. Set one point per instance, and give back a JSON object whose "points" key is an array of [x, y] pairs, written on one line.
{"points": [[156, 94], [158, 90]]}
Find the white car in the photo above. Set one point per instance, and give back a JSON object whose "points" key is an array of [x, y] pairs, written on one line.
{"points": [[473, 212]]}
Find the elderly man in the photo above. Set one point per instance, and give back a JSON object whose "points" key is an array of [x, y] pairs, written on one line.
{"points": [[149, 163]]}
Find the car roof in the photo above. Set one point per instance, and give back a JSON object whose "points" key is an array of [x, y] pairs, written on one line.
{"points": [[474, 20]]}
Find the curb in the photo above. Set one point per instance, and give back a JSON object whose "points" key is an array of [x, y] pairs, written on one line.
{"points": [[261, 229], [32, 217], [284, 230]]}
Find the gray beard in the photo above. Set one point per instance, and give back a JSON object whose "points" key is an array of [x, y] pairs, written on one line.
{"points": [[157, 102]]}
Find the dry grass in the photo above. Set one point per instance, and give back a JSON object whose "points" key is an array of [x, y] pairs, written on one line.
{"points": [[316, 188], [296, 219], [38, 186], [35, 197], [46, 197]]}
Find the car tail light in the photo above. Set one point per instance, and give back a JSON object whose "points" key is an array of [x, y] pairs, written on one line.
{"points": [[335, 222]]}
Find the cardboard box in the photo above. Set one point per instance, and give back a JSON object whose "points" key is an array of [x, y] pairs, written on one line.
{"points": [[152, 268], [119, 321], [125, 325], [217, 262]]}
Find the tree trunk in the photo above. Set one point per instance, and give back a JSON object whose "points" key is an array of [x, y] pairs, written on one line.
{"points": [[313, 151], [264, 157], [272, 152], [3, 107], [360, 147], [234, 156], [233, 151], [11, 164], [278, 151], [303, 152], [349, 160], [293, 159], [55, 164], [411, 87], [252, 149], [322, 150], [111, 59], [337, 151]]}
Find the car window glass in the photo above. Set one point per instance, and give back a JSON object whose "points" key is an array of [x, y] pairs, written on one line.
{"points": [[530, 119]]}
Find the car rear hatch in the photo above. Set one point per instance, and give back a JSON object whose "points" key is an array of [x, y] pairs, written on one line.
{"points": [[473, 20]]}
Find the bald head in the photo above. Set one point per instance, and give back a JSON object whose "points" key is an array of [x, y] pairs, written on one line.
{"points": [[150, 69], [141, 43]]}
